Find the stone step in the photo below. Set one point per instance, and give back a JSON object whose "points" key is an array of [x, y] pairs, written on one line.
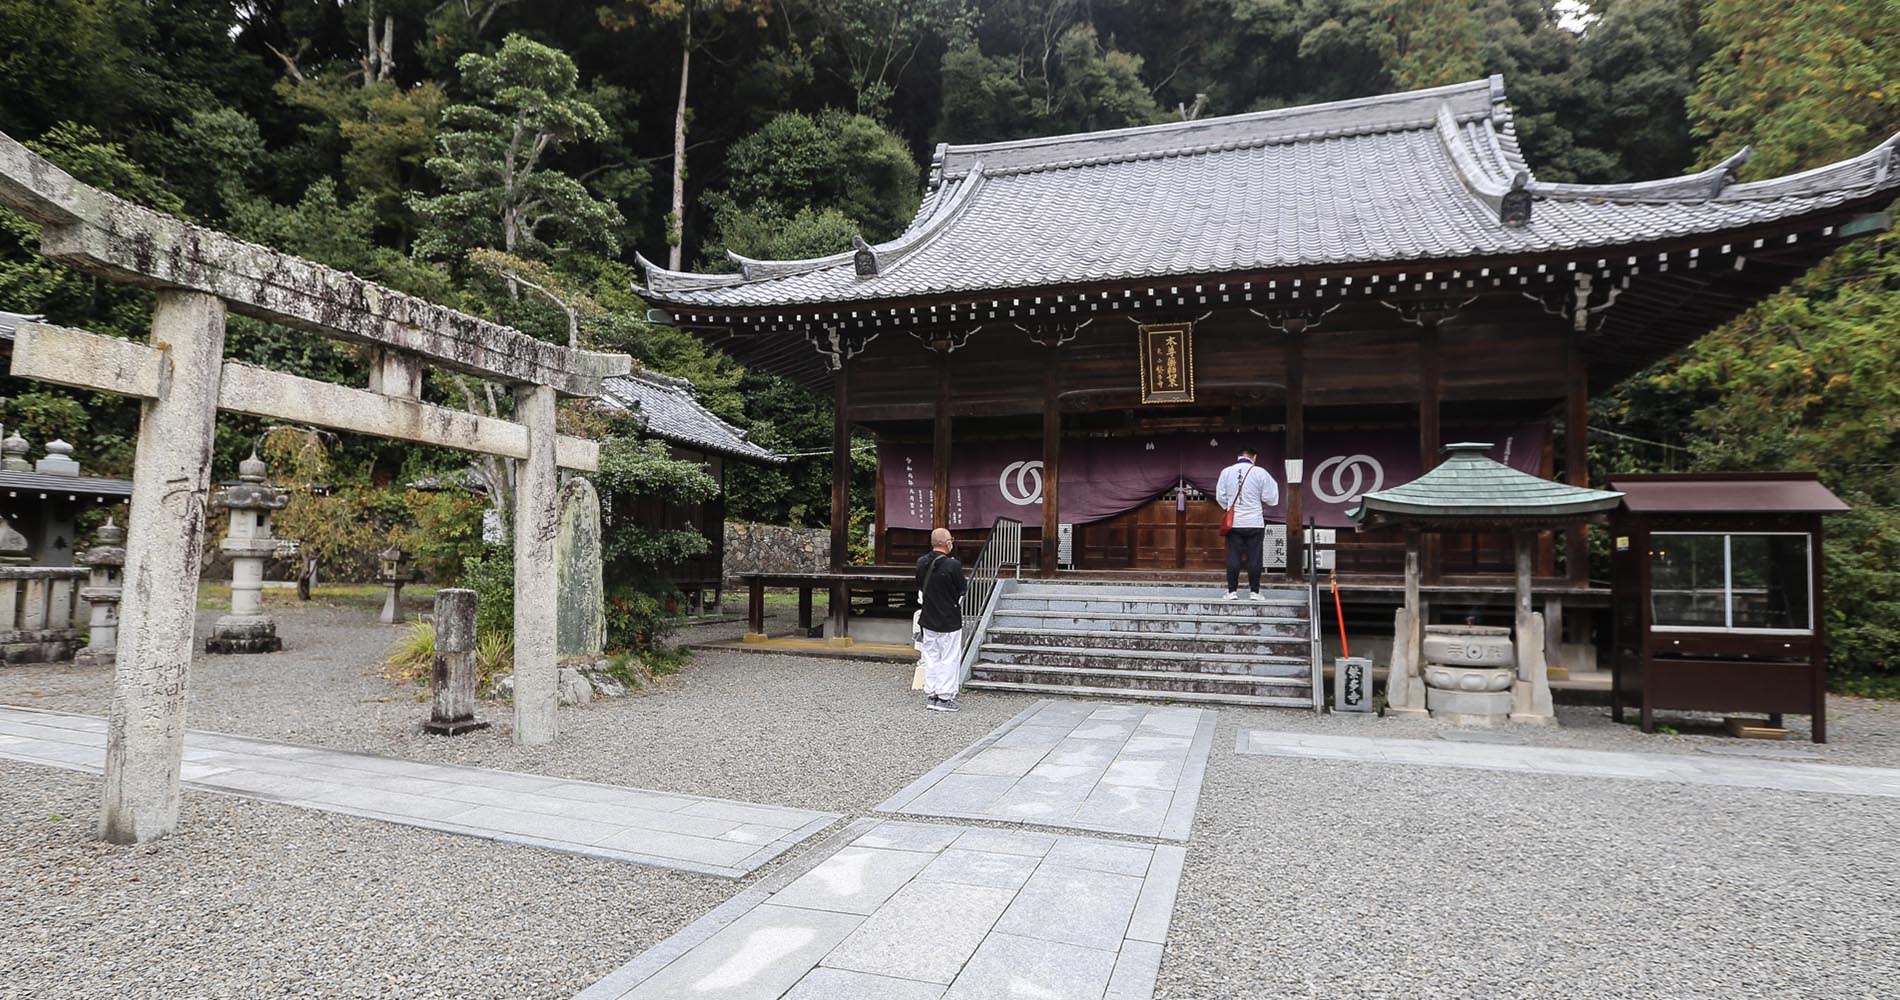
{"points": [[1155, 608], [1145, 680], [1156, 591], [1154, 661], [1120, 640], [1092, 691], [1264, 626]]}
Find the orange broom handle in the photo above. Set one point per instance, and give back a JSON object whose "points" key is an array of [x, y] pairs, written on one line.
{"points": [[1339, 614]]}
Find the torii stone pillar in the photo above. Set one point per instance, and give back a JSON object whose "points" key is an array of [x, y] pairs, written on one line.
{"points": [[537, 584], [164, 549]]}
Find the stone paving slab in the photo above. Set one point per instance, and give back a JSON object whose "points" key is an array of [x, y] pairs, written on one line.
{"points": [[977, 914], [1112, 768], [1734, 772], [661, 829]]}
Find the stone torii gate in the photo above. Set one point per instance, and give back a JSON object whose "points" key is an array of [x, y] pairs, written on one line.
{"points": [[182, 381]]}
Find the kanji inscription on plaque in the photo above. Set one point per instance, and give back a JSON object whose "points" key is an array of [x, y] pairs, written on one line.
{"points": [[1167, 363]]}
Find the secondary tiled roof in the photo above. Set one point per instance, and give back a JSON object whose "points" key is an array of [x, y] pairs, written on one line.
{"points": [[1422, 175], [10, 322], [673, 413], [1469, 485], [51, 483], [1728, 493]]}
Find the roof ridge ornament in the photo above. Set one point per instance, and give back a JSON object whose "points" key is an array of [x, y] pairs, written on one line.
{"points": [[1514, 209], [865, 259]]}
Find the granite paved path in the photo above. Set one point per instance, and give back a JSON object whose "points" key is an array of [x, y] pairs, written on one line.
{"points": [[1114, 768], [710, 836], [907, 911], [1735, 772]]}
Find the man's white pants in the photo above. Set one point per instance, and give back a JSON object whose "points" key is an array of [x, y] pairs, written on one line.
{"points": [[943, 663]]}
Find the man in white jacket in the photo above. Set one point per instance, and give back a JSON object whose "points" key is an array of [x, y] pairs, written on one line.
{"points": [[1248, 491]]}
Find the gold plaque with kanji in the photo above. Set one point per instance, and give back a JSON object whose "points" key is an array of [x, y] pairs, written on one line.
{"points": [[1167, 363]]}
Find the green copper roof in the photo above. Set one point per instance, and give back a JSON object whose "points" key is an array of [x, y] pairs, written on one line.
{"points": [[1469, 485]]}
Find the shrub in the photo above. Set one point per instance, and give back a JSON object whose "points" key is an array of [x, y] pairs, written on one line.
{"points": [[412, 656], [491, 576], [494, 656]]}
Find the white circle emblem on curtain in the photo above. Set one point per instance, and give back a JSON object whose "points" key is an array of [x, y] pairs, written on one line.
{"points": [[1026, 487], [1362, 467]]}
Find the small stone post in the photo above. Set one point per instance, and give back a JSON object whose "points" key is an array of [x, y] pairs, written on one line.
{"points": [[248, 540], [164, 545], [1404, 686], [396, 572], [106, 558], [1530, 694], [452, 675]]}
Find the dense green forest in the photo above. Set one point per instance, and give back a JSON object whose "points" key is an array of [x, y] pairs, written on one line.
{"points": [[511, 158]]}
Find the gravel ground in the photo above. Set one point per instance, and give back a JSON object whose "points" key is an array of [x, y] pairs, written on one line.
{"points": [[255, 900], [1329, 879], [1305, 878]]}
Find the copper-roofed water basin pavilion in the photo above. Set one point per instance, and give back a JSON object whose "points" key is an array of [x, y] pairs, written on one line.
{"points": [[1077, 331]]}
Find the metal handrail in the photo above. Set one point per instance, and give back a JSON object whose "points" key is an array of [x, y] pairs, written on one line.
{"points": [[1312, 615], [1003, 547]]}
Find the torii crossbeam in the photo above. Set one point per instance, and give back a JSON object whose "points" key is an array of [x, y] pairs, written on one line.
{"points": [[182, 380]]}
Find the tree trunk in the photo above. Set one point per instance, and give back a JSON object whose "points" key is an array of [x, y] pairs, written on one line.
{"points": [[675, 234]]}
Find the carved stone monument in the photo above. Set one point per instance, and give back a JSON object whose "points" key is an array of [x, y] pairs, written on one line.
{"points": [[248, 541], [105, 559], [1469, 671], [580, 612]]}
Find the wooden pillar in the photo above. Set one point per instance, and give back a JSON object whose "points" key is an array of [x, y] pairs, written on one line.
{"points": [[1817, 661], [1051, 464], [1429, 445], [1295, 447], [164, 550], [1577, 457], [940, 447], [840, 471], [537, 693], [880, 544], [755, 609]]}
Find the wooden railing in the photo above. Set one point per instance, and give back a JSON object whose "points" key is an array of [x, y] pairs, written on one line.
{"points": [[1313, 624], [1003, 549]]}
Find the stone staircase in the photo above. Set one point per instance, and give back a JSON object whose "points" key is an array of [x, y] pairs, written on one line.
{"points": [[1175, 643]]}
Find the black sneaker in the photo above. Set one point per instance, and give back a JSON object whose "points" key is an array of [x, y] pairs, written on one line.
{"points": [[944, 705]]}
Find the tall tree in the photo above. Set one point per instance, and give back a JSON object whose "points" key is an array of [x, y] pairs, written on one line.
{"points": [[500, 188], [700, 22], [1808, 378], [877, 40]]}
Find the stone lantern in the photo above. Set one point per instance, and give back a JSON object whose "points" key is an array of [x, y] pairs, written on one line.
{"points": [[103, 590], [396, 572], [13, 454], [248, 541]]}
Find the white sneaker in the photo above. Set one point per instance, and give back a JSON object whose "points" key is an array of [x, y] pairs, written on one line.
{"points": [[1255, 596], [1232, 596]]}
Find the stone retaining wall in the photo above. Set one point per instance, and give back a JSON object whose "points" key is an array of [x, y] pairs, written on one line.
{"points": [[775, 548]]}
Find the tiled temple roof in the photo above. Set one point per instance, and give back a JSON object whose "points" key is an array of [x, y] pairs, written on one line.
{"points": [[1426, 175], [673, 413]]}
